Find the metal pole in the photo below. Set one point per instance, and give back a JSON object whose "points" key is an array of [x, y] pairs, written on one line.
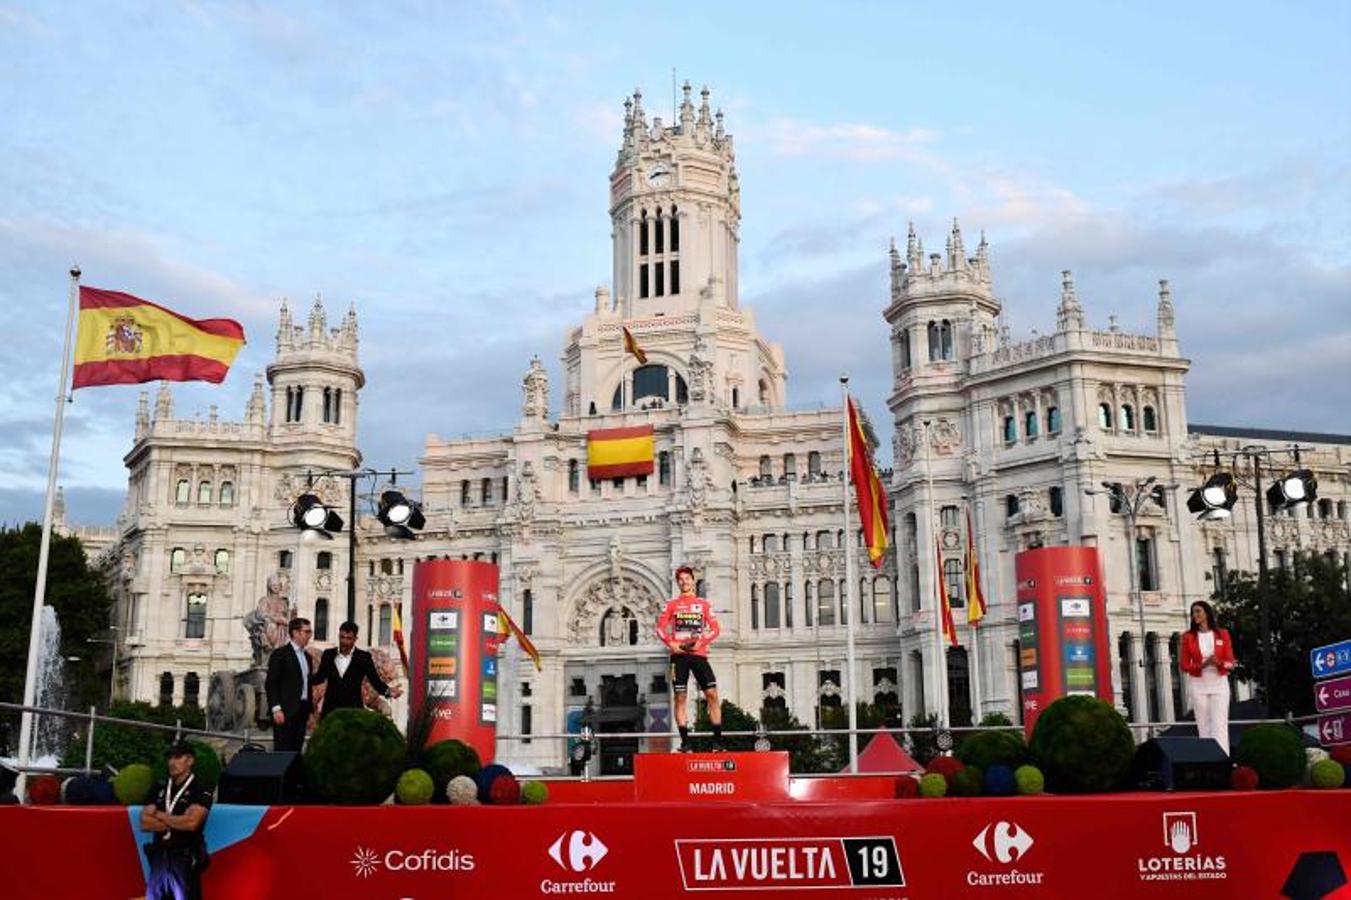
{"points": [[941, 657], [850, 584], [112, 679], [30, 684], [352, 549], [1263, 580], [89, 742], [1131, 508]]}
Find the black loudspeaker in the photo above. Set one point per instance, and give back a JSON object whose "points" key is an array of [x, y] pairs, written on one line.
{"points": [[1181, 764], [261, 779]]}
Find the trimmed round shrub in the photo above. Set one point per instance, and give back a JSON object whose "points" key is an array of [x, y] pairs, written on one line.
{"points": [[999, 781], [947, 766], [505, 790], [414, 788], [485, 777], [907, 787], [446, 759], [86, 790], [1243, 778], [533, 793], [1029, 780], [1312, 756], [462, 791], [1082, 745], [968, 782], [355, 756], [1275, 752], [206, 768], [44, 790], [993, 748], [133, 784], [933, 785], [1327, 773]]}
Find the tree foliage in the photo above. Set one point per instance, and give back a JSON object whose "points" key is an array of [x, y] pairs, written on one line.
{"points": [[82, 604], [1309, 606]]}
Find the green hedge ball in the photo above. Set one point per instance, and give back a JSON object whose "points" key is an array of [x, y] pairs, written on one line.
{"points": [[933, 785], [533, 793], [133, 784], [1029, 780], [968, 782], [414, 788], [1327, 773]]}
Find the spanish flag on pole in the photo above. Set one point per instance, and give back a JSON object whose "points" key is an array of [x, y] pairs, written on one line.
{"points": [[505, 626], [398, 638], [872, 499], [975, 600], [631, 346], [944, 604], [126, 340]]}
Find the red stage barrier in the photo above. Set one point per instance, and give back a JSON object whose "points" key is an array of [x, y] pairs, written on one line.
{"points": [[1221, 845]]}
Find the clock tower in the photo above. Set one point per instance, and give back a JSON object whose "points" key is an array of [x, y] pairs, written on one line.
{"points": [[676, 209]]}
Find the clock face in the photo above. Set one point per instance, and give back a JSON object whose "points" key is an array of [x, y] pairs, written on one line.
{"points": [[659, 176]]}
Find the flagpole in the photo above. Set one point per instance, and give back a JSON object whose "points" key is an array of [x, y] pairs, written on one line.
{"points": [[941, 660], [30, 684], [975, 626], [850, 582]]}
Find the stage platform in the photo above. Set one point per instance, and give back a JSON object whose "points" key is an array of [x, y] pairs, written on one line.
{"points": [[838, 837]]}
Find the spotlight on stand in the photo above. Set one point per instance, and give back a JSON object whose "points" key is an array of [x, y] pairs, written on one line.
{"points": [[309, 513], [1295, 488], [1216, 498], [400, 516]]}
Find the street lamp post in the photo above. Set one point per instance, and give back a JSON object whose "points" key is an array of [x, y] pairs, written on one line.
{"points": [[112, 677]]}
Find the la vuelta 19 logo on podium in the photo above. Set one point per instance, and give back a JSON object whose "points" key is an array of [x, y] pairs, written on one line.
{"points": [[723, 864]]}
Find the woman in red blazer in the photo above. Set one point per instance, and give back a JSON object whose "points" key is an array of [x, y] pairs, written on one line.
{"points": [[1208, 658]]}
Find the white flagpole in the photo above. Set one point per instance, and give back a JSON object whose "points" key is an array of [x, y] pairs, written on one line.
{"points": [[30, 684], [975, 627], [850, 585], [941, 657]]}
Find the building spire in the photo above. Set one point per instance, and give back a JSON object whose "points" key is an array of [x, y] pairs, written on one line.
{"points": [[983, 257], [1166, 317], [254, 409], [164, 403], [142, 414], [897, 268], [914, 251], [956, 249], [285, 328], [686, 111], [1069, 315]]}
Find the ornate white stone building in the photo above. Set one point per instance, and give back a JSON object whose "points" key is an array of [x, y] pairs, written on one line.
{"points": [[745, 487]]}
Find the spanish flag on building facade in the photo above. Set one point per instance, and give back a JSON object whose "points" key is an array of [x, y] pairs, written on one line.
{"points": [[126, 340], [975, 599], [398, 639], [631, 346], [872, 499], [506, 625], [619, 452], [944, 604]]}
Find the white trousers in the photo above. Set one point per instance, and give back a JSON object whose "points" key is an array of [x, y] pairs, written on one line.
{"points": [[1210, 702]]}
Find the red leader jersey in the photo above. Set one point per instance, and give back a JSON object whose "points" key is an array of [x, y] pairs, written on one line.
{"points": [[688, 618]]}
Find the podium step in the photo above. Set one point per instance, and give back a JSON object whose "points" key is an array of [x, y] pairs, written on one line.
{"points": [[731, 777]]}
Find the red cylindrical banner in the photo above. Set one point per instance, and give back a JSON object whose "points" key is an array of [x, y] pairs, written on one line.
{"points": [[1062, 628], [455, 641]]}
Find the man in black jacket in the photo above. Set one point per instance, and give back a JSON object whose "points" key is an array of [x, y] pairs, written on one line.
{"points": [[288, 688], [343, 668]]}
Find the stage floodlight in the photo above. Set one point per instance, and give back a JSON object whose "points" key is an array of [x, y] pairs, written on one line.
{"points": [[1216, 498], [1299, 486], [400, 516], [309, 513]]}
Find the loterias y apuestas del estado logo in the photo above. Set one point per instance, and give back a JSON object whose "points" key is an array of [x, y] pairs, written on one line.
{"points": [[789, 863]]}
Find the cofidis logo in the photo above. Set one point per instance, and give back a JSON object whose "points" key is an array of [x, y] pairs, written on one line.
{"points": [[1184, 859], [366, 862], [577, 852]]}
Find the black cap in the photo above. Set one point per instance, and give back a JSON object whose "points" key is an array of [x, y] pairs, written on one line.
{"points": [[182, 748]]}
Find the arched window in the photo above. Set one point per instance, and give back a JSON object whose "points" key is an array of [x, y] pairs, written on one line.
{"points": [[1053, 420], [574, 476], [1325, 508], [486, 491], [765, 469], [788, 604], [227, 493], [675, 234], [755, 607], [191, 687], [1127, 417], [682, 389], [813, 464], [222, 561], [283, 559], [527, 611], [1126, 655], [195, 626], [337, 406], [1030, 424], [183, 492], [905, 349], [825, 602], [178, 557], [464, 492], [934, 347], [952, 578], [945, 338], [1010, 505], [790, 466], [385, 624], [1105, 416], [1057, 497], [328, 405], [764, 392], [808, 601], [642, 235], [772, 618], [1150, 420], [650, 381], [166, 689], [1010, 430], [321, 619], [204, 493], [882, 611]]}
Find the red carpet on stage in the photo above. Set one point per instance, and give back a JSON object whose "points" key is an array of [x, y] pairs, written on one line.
{"points": [[1249, 845]]}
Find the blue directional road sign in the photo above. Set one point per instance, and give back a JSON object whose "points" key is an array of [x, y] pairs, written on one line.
{"points": [[1334, 659]]}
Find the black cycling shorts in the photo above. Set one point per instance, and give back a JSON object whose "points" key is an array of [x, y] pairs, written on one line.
{"points": [[683, 664]]}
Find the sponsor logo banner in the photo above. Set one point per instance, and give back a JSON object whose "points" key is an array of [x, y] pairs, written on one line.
{"points": [[727, 864]]}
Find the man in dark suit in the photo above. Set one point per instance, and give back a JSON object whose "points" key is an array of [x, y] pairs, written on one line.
{"points": [[343, 668], [288, 688]]}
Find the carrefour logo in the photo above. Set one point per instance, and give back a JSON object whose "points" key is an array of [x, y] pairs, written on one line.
{"points": [[1006, 844], [366, 862], [578, 851]]}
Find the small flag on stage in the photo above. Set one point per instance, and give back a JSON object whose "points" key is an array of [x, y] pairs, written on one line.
{"points": [[398, 638], [975, 600], [506, 625], [631, 346], [872, 499], [126, 340], [944, 604], [619, 452]]}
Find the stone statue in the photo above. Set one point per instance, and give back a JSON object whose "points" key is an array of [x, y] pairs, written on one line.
{"points": [[266, 624], [535, 387], [701, 374]]}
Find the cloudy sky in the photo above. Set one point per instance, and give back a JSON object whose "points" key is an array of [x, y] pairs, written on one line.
{"points": [[444, 167]]}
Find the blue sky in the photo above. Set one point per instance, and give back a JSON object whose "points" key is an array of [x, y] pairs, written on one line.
{"points": [[444, 167]]}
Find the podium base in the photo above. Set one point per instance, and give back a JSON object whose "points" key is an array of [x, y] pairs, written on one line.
{"points": [[731, 777]]}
